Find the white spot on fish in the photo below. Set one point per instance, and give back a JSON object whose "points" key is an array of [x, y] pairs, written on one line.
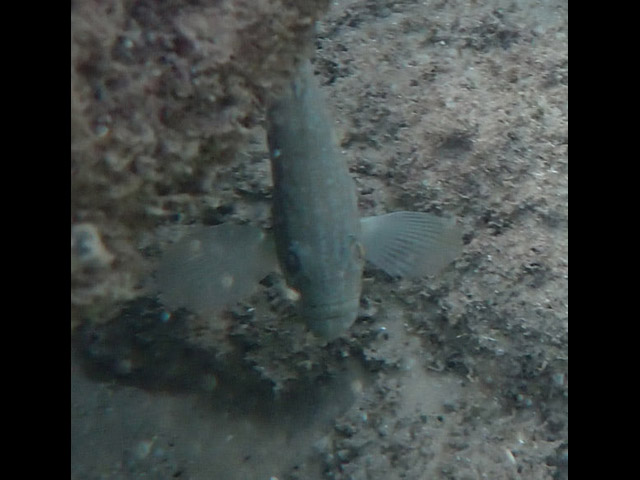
{"points": [[227, 281], [291, 294]]}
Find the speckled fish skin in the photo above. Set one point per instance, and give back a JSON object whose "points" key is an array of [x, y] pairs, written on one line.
{"points": [[315, 214]]}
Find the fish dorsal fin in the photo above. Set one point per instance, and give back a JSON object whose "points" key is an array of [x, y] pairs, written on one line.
{"points": [[411, 244], [211, 268]]}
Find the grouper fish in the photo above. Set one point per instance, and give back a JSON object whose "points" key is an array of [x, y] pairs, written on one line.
{"points": [[319, 240]]}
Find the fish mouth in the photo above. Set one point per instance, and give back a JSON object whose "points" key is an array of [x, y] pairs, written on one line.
{"points": [[330, 320]]}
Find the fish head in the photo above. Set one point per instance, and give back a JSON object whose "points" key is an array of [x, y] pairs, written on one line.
{"points": [[329, 285]]}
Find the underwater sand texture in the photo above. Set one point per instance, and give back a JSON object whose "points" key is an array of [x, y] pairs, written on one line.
{"points": [[443, 107]]}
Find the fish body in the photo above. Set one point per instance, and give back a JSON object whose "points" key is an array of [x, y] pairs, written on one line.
{"points": [[319, 240], [315, 213]]}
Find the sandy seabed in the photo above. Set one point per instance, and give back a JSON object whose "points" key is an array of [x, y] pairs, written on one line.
{"points": [[457, 108]]}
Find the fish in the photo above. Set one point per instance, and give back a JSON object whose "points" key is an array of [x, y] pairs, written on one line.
{"points": [[318, 241]]}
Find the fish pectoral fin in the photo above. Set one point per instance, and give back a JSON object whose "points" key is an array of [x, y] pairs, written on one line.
{"points": [[211, 268], [411, 244]]}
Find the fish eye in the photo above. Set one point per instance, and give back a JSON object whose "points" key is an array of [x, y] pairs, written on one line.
{"points": [[357, 249], [360, 253], [292, 261]]}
